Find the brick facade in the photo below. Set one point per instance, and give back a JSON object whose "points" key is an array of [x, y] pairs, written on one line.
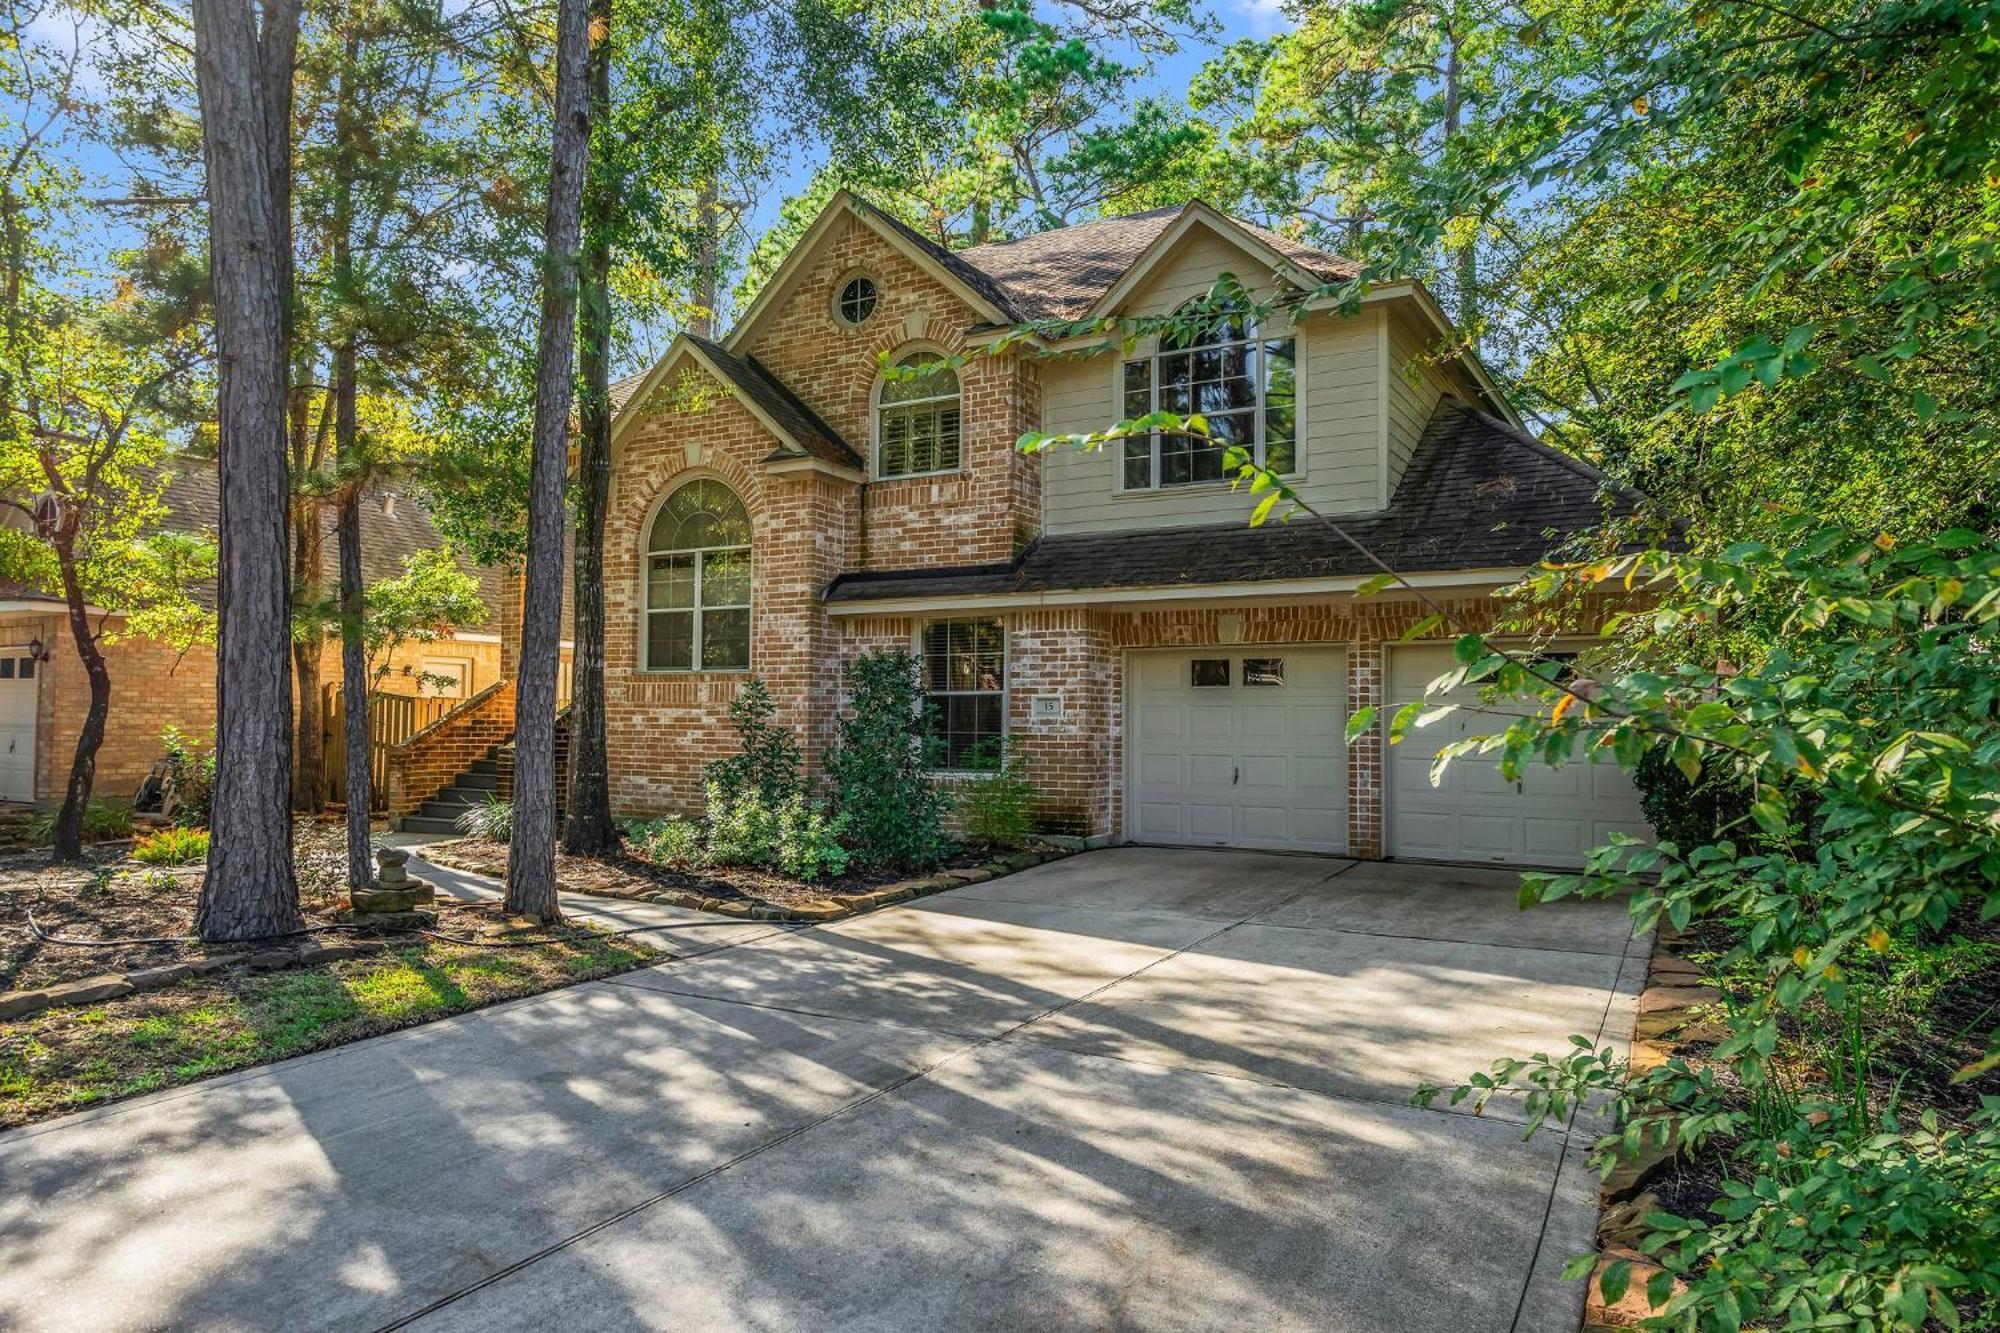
{"points": [[1066, 666]]}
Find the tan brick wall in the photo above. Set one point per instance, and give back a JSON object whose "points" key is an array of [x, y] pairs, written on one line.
{"points": [[991, 507]]}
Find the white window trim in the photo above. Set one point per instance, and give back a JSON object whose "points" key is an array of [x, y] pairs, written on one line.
{"points": [[875, 411], [646, 609], [840, 316], [1006, 685], [1151, 354]]}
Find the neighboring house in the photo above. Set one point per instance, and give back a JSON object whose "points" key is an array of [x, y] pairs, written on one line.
{"points": [[1170, 674], [44, 694]]}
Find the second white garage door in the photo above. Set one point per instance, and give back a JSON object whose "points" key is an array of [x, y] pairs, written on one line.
{"points": [[1551, 817], [1238, 747]]}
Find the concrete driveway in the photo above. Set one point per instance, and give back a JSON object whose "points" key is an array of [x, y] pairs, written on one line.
{"points": [[1140, 1088]]}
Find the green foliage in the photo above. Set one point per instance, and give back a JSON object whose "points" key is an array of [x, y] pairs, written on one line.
{"points": [[671, 841], [1863, 723], [492, 819], [767, 761], [172, 847], [101, 823], [880, 767], [431, 597], [997, 808], [190, 779], [794, 835], [1690, 813]]}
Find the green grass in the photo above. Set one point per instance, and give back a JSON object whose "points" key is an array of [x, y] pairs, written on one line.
{"points": [[63, 1060]]}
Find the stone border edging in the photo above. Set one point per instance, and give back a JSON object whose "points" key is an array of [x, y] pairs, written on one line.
{"points": [[886, 896], [116, 985], [1672, 1009]]}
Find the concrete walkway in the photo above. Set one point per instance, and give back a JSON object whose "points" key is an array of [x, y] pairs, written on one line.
{"points": [[1140, 1088]]}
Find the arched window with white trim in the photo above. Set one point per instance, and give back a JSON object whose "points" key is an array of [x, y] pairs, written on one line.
{"points": [[916, 419], [698, 581], [1245, 386]]}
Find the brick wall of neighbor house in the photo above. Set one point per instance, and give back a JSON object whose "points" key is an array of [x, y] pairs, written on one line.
{"points": [[992, 506], [152, 687]]}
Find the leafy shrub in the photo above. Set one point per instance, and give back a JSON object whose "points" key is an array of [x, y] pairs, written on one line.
{"points": [[807, 842], [768, 761], [997, 809], [796, 835], [492, 819], [1862, 712], [173, 846], [191, 779], [101, 823], [1713, 806], [880, 767], [741, 830], [670, 841]]}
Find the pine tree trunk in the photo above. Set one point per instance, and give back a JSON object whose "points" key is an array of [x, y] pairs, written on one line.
{"points": [[354, 680], [531, 872], [308, 556], [353, 666], [588, 829], [83, 763], [244, 79]]}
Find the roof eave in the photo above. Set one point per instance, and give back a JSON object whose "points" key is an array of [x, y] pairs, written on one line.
{"points": [[844, 203]]}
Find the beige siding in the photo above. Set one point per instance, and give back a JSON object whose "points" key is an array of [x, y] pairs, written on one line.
{"points": [[1340, 394], [1415, 383]]}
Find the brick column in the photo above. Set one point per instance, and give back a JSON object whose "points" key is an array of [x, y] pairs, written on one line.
{"points": [[512, 599], [1074, 760], [1365, 769]]}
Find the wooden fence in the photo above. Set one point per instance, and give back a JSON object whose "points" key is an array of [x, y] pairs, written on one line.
{"points": [[392, 719]]}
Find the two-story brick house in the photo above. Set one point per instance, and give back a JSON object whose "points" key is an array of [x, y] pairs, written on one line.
{"points": [[780, 504]]}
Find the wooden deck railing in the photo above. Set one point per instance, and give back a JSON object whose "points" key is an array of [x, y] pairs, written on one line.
{"points": [[392, 719]]}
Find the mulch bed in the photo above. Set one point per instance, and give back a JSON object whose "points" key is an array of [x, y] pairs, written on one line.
{"points": [[625, 875], [277, 999], [112, 897]]}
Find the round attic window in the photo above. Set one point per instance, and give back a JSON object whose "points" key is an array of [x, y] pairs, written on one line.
{"points": [[856, 301]]}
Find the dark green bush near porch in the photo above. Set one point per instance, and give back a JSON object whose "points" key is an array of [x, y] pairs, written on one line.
{"points": [[880, 767]]}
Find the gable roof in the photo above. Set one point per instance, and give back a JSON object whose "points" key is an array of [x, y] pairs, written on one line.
{"points": [[799, 431], [1063, 274], [1478, 495]]}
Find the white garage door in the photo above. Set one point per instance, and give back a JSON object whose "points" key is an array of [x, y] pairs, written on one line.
{"points": [[1551, 817], [1238, 747], [17, 727]]}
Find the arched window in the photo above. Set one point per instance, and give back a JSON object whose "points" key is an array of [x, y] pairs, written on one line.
{"points": [[698, 582], [916, 428], [1244, 385]]}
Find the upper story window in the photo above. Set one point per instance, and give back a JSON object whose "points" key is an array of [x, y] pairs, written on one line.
{"points": [[698, 582], [855, 301], [1246, 387], [916, 421]]}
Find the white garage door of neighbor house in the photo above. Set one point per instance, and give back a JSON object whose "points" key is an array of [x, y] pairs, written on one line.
{"points": [[17, 726], [1238, 747], [1551, 817]]}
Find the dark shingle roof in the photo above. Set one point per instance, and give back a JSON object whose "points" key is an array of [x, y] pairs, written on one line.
{"points": [[782, 405], [394, 527], [1061, 274], [1478, 494], [622, 390]]}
